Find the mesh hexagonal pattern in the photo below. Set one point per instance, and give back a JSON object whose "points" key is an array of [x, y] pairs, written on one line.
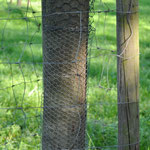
{"points": [[65, 41]]}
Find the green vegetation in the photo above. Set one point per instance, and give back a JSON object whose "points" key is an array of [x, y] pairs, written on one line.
{"points": [[21, 84]]}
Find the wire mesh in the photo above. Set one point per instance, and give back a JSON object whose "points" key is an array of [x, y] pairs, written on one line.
{"points": [[78, 107]]}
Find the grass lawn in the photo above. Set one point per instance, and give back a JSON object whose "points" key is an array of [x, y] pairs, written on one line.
{"points": [[21, 83]]}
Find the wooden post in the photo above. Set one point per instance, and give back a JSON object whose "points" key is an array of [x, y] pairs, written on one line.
{"points": [[128, 74]]}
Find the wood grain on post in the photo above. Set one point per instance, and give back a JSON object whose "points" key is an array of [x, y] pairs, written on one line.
{"points": [[128, 74]]}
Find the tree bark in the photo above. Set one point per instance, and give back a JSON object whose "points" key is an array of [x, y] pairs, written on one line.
{"points": [[65, 40], [128, 74], [19, 2], [28, 3]]}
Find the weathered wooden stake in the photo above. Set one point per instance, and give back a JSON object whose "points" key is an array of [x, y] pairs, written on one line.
{"points": [[128, 74]]}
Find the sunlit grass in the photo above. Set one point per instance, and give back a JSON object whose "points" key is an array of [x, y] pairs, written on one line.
{"points": [[22, 129]]}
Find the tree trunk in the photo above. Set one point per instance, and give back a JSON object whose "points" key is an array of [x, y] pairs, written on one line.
{"points": [[65, 39], [19, 2], [128, 74], [28, 3]]}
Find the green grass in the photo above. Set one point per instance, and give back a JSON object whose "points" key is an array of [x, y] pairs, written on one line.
{"points": [[21, 129]]}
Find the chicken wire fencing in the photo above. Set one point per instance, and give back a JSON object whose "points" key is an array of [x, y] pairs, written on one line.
{"points": [[64, 96]]}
